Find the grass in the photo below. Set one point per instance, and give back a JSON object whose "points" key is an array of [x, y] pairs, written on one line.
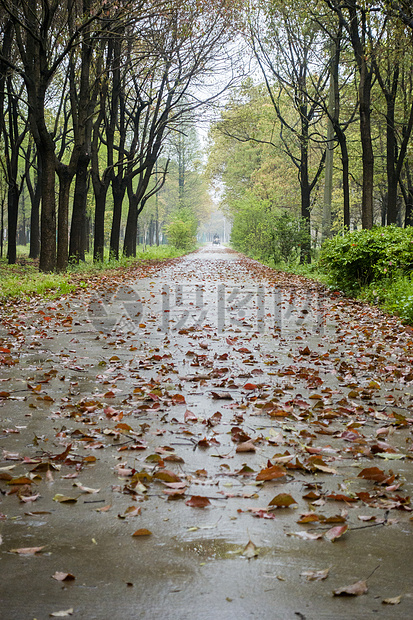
{"points": [[393, 295], [23, 280]]}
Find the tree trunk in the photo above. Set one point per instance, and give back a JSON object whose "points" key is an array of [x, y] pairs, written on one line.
{"points": [[48, 213], [35, 197], [118, 192], [392, 181], [129, 244], [12, 213], [305, 254], [65, 181], [408, 219], [328, 175], [77, 244], [2, 228], [100, 189], [367, 147], [345, 172]]}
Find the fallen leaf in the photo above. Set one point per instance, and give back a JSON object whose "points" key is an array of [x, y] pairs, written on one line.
{"points": [[64, 499], [190, 417], [395, 600], [271, 473], [338, 497], [142, 532], [198, 501], [85, 489], [27, 550], [250, 550], [282, 500], [246, 446], [325, 468], [62, 614], [250, 386], [221, 396], [132, 511], [305, 535], [336, 532], [20, 480], [315, 575], [166, 476], [178, 399], [355, 589], [373, 473], [59, 576]]}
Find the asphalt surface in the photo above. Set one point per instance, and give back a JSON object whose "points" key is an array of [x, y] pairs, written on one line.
{"points": [[215, 381]]}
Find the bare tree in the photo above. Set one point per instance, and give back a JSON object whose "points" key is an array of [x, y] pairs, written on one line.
{"points": [[290, 54]]}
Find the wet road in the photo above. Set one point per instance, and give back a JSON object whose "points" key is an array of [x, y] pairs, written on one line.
{"points": [[212, 381]]}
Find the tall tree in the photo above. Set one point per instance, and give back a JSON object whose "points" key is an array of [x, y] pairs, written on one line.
{"points": [[364, 24], [188, 43], [45, 39], [13, 130], [389, 63], [288, 50]]}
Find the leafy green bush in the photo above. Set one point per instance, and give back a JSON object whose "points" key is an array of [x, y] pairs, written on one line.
{"points": [[363, 256], [288, 234], [392, 295], [181, 232], [265, 233]]}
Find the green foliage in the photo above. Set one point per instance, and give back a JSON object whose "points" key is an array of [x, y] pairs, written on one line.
{"points": [[26, 281], [288, 233], [393, 295], [361, 257], [250, 228], [266, 233], [181, 232]]}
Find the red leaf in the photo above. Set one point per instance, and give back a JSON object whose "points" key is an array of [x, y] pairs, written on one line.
{"points": [[271, 473], [178, 399], [336, 532], [197, 501], [250, 386], [373, 473]]}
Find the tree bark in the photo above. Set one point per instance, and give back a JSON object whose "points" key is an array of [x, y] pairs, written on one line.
{"points": [[367, 146], [47, 260], [77, 244], [65, 175], [118, 193]]}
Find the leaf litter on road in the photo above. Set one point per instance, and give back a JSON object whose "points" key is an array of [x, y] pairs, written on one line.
{"points": [[321, 422]]}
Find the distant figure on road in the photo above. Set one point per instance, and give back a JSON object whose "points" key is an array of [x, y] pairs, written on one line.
{"points": [[215, 240]]}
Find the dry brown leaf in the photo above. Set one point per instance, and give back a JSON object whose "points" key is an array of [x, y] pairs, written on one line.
{"points": [[27, 550], [355, 589], [246, 446], [315, 575], [250, 550], [59, 576]]}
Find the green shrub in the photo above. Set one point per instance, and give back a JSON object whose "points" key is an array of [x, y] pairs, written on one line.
{"points": [[361, 257], [392, 295], [181, 232], [267, 233]]}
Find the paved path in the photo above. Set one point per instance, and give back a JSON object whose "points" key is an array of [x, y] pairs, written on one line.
{"points": [[212, 381]]}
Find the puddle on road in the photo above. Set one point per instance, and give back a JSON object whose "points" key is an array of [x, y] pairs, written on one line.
{"points": [[215, 549]]}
